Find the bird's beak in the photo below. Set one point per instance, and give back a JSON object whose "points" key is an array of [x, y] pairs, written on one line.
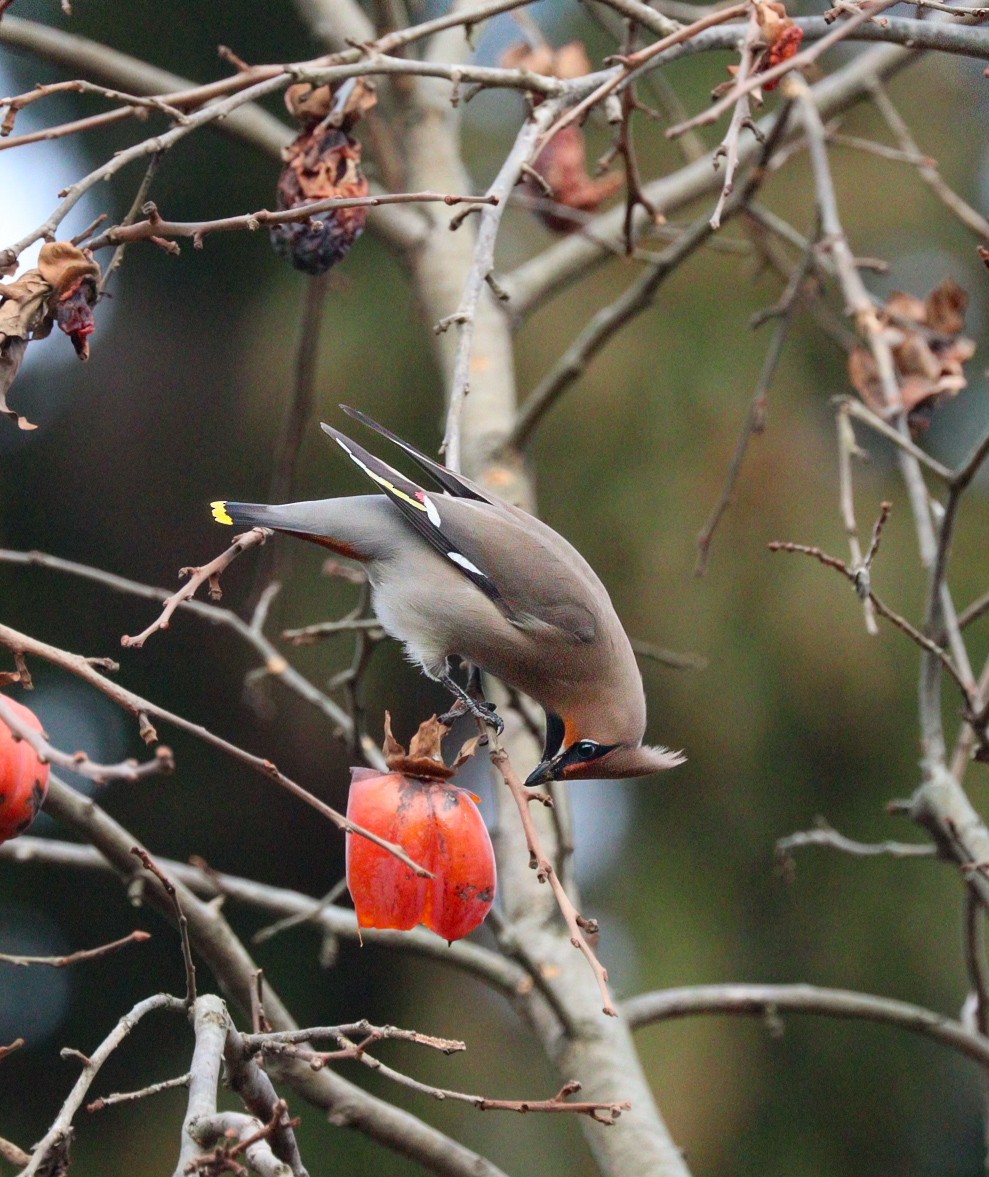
{"points": [[542, 774]]}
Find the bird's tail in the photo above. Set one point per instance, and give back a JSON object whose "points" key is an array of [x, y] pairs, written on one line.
{"points": [[361, 527], [245, 514], [257, 514]]}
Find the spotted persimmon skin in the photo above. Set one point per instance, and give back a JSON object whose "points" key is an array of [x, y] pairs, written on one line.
{"points": [[439, 827], [23, 777]]}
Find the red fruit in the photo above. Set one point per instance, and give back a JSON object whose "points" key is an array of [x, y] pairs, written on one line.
{"points": [[23, 777], [440, 828]]}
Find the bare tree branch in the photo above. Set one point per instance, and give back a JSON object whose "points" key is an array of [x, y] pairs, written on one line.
{"points": [[769, 1001]]}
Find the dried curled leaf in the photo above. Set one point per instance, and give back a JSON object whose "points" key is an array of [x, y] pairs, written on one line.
{"points": [[62, 289], [323, 163], [772, 20], [424, 759], [342, 106], [928, 350]]}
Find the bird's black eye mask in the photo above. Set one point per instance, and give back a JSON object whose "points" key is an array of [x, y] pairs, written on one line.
{"points": [[555, 762], [583, 752]]}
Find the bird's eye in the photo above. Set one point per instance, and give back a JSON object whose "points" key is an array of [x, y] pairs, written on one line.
{"points": [[587, 749]]}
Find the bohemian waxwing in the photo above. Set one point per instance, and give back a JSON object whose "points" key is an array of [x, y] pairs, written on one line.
{"points": [[457, 572]]}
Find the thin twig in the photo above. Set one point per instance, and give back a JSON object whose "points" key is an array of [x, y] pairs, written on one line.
{"points": [[106, 1101], [309, 635], [155, 227], [823, 834], [606, 1112], [861, 412], [303, 917], [79, 86], [61, 962], [901, 623], [741, 116], [847, 449], [140, 198], [978, 608], [546, 874], [927, 168], [180, 920], [79, 762], [755, 419], [297, 417], [196, 577]]}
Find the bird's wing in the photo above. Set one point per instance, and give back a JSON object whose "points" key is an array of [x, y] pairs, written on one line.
{"points": [[531, 574], [419, 509], [450, 480], [541, 579]]}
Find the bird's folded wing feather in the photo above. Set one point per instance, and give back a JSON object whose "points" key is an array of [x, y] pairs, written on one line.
{"points": [[450, 480], [416, 505], [541, 580], [503, 552]]}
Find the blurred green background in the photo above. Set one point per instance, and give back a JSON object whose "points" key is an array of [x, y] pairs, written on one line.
{"points": [[798, 713]]}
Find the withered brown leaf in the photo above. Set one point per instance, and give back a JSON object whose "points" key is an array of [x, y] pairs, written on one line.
{"points": [[61, 289], [929, 352]]}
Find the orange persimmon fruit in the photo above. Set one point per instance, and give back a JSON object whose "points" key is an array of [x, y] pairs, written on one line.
{"points": [[23, 777], [440, 828], [437, 824]]}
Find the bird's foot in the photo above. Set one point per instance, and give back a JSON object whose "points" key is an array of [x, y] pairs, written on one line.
{"points": [[466, 705]]}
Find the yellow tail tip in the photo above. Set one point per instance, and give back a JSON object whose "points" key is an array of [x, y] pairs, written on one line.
{"points": [[219, 509]]}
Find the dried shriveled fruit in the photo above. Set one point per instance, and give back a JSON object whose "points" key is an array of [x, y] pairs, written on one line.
{"points": [[62, 289], [780, 39], [323, 163], [781, 35], [439, 827], [23, 777], [562, 163], [928, 350]]}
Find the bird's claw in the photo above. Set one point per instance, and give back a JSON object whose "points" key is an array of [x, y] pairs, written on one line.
{"points": [[480, 709]]}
